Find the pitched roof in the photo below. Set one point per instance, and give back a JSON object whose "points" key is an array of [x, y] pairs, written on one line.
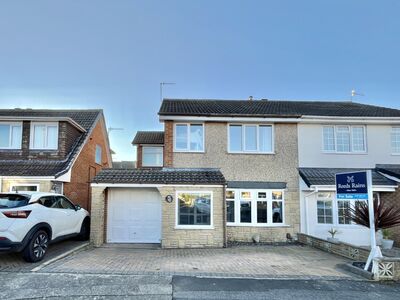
{"points": [[326, 176], [87, 119], [272, 108], [149, 137], [160, 176], [392, 170]]}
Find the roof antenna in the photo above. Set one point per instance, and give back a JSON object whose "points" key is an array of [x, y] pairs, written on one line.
{"points": [[354, 93], [250, 98], [161, 88]]}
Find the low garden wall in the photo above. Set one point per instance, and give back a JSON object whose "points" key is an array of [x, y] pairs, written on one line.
{"points": [[385, 268]]}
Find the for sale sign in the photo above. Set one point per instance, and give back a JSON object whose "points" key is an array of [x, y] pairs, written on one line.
{"points": [[352, 185]]}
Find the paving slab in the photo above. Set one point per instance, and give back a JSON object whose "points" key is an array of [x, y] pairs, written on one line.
{"points": [[13, 262], [292, 261]]}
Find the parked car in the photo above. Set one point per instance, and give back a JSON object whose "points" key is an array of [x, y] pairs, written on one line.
{"points": [[29, 222]]}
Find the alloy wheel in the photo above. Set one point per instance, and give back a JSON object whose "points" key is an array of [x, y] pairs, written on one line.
{"points": [[40, 245]]}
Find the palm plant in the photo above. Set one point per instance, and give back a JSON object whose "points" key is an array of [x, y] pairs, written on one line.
{"points": [[386, 216]]}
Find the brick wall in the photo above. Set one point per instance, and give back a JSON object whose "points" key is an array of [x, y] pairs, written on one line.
{"points": [[85, 167], [191, 238], [139, 155], [393, 199], [168, 143]]}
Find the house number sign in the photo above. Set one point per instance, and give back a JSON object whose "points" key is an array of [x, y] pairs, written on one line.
{"points": [[169, 198]]}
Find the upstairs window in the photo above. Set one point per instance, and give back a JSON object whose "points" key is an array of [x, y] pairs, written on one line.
{"points": [[152, 157], [189, 138], [250, 138], [98, 155], [44, 136], [344, 139], [395, 140], [10, 135]]}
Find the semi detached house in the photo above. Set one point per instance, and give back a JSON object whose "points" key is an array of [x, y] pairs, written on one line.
{"points": [[52, 151], [225, 171]]}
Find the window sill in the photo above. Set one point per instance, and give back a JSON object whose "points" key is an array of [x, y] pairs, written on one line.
{"points": [[257, 225], [194, 227], [39, 150], [396, 154], [252, 153], [188, 151], [345, 153]]}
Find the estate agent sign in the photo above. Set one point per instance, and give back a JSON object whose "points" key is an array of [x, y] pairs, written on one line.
{"points": [[352, 186]]}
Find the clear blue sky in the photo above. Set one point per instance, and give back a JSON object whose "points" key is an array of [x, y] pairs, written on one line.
{"points": [[113, 54]]}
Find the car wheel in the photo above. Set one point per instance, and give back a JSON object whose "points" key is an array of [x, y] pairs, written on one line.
{"points": [[37, 247], [85, 231]]}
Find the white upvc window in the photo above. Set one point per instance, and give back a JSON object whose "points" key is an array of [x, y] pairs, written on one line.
{"points": [[261, 208], [10, 135], [98, 155], [188, 137], [152, 156], [324, 208], [250, 138], [44, 136], [194, 210], [344, 139], [395, 140], [24, 187]]}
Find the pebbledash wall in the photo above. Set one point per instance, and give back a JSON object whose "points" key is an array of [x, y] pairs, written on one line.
{"points": [[172, 237], [43, 185], [278, 167]]}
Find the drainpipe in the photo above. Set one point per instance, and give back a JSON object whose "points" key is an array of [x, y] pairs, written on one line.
{"points": [[224, 217], [1, 184]]}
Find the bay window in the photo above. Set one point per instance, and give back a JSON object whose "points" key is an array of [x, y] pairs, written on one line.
{"points": [[10, 135], [189, 137], [194, 209], [250, 138], [44, 136], [344, 139], [255, 207]]}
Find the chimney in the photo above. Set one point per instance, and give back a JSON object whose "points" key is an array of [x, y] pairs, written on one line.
{"points": [[250, 98]]}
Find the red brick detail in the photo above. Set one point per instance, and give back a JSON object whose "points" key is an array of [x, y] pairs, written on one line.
{"points": [[168, 143], [85, 167], [139, 156], [393, 199]]}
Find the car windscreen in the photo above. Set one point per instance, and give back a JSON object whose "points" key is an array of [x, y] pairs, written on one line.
{"points": [[13, 200]]}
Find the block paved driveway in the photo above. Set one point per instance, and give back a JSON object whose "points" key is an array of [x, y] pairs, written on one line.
{"points": [[292, 261], [13, 262]]}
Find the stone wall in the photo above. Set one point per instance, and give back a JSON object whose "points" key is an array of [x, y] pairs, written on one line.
{"points": [[191, 238], [98, 216]]}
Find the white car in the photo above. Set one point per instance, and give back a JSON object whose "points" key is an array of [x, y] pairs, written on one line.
{"points": [[30, 221]]}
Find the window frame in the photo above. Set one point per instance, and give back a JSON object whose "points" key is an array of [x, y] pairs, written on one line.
{"points": [[254, 205], [325, 215], [188, 125], [13, 124], [243, 136], [210, 226], [351, 145], [162, 156], [101, 155], [392, 133], [32, 135], [25, 184]]}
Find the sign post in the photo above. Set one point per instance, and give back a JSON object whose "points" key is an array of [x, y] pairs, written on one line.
{"points": [[358, 186]]}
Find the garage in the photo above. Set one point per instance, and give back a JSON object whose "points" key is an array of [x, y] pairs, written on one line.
{"points": [[134, 215]]}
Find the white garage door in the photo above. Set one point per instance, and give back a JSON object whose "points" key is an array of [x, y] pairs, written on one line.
{"points": [[134, 216]]}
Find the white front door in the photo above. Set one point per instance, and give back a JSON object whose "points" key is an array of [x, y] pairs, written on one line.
{"points": [[134, 215]]}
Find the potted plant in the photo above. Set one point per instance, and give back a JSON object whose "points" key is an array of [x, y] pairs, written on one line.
{"points": [[386, 216], [332, 239], [387, 243]]}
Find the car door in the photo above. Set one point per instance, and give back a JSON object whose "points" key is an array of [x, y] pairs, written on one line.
{"points": [[72, 218], [52, 215]]}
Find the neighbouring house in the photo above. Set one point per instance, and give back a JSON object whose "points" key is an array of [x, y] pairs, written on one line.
{"points": [[52, 150], [236, 171]]}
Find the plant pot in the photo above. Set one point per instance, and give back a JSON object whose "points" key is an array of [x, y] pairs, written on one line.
{"points": [[387, 244], [379, 237], [333, 240]]}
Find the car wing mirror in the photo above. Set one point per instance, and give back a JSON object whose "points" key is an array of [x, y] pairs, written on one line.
{"points": [[77, 207]]}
